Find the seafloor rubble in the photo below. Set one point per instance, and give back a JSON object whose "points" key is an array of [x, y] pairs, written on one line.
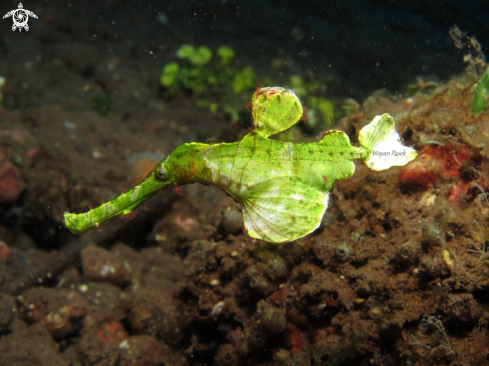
{"points": [[396, 274]]}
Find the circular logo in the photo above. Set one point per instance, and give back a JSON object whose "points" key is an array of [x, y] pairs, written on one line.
{"points": [[20, 18]]}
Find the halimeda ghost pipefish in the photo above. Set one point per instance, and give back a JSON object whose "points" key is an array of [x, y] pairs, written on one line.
{"points": [[283, 187]]}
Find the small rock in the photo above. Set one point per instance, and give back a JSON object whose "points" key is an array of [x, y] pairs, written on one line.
{"points": [[2, 272], [31, 345], [227, 355], [174, 231], [8, 310], [142, 164], [462, 309], [11, 183], [257, 279], [232, 221], [157, 319], [70, 276], [277, 268], [140, 350], [4, 251], [101, 339], [108, 302], [111, 332], [101, 265], [160, 265], [16, 266], [281, 356], [272, 317], [60, 311]]}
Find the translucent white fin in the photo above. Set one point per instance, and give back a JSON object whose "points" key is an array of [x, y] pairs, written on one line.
{"points": [[384, 145]]}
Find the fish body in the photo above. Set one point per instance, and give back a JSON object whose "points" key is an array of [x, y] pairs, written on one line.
{"points": [[283, 187]]}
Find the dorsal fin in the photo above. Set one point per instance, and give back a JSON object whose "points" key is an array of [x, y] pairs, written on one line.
{"points": [[274, 109]]}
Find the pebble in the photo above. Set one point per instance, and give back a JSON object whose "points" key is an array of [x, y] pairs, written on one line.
{"points": [[232, 221], [277, 268], [59, 311], [30, 345], [214, 282], [111, 332], [11, 183], [140, 350], [101, 265], [157, 319], [216, 310], [272, 317], [17, 265], [4, 251]]}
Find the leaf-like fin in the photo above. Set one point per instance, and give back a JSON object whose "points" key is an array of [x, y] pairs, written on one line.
{"points": [[275, 109], [383, 144], [281, 210]]}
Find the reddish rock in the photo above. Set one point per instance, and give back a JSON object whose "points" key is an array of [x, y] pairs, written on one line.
{"points": [[11, 183], [112, 332], [297, 338], [101, 265], [458, 191], [143, 165], [435, 161], [4, 251]]}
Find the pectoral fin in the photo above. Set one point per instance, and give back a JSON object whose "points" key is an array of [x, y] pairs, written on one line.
{"points": [[278, 211]]}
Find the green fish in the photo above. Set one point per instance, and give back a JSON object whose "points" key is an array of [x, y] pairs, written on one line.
{"points": [[283, 187]]}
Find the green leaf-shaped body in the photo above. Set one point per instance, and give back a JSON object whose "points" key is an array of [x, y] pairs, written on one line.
{"points": [[283, 187]]}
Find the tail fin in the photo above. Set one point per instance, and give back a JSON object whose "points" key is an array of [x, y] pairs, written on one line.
{"points": [[384, 145]]}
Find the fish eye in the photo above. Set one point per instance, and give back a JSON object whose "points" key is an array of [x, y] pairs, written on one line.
{"points": [[162, 172]]}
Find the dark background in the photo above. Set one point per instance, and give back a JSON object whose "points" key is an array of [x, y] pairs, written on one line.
{"points": [[363, 45]]}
